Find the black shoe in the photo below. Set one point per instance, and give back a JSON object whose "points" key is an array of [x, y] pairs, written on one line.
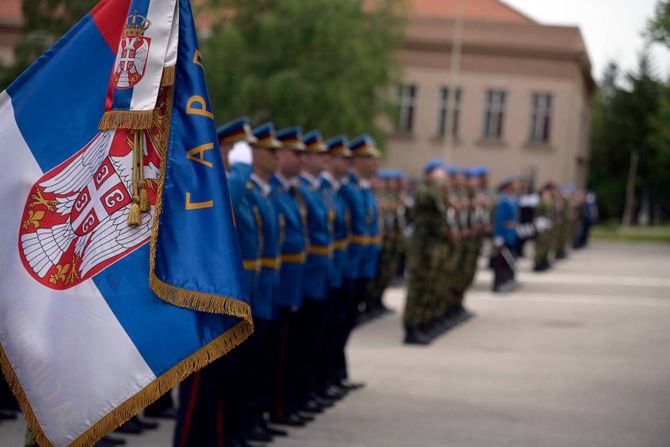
{"points": [[235, 442], [131, 427], [415, 336], [165, 413], [274, 431], [292, 420], [147, 425], [311, 406], [305, 417], [351, 386], [333, 393], [7, 414], [110, 441], [324, 402], [258, 434]]}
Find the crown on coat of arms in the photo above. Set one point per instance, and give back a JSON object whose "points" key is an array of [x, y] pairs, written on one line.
{"points": [[136, 25]]}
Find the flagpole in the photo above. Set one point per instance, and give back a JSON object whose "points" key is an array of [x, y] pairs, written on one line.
{"points": [[454, 79]]}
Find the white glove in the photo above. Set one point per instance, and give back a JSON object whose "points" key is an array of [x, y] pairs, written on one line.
{"points": [[240, 153]]}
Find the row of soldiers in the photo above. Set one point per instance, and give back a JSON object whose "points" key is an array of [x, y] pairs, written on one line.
{"points": [[451, 217], [308, 228], [556, 218], [454, 213]]}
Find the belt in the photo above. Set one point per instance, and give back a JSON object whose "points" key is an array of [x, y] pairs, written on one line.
{"points": [[321, 250], [374, 240], [293, 258], [271, 263], [341, 244], [251, 264], [360, 240]]}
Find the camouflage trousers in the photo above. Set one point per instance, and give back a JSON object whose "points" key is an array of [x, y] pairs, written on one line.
{"points": [[422, 291], [388, 265], [542, 246]]}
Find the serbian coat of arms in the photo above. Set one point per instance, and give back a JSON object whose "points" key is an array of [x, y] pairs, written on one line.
{"points": [[131, 57], [76, 219]]}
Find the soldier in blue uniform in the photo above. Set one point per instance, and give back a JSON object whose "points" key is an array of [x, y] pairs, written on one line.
{"points": [[335, 166], [215, 390], [363, 240], [293, 220], [505, 235], [264, 296], [320, 217]]}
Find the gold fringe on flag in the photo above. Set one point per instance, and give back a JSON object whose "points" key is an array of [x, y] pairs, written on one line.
{"points": [[168, 76], [149, 394], [126, 119]]}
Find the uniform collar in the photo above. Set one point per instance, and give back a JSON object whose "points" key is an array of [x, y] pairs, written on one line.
{"points": [[264, 186], [330, 179], [313, 182], [283, 181]]}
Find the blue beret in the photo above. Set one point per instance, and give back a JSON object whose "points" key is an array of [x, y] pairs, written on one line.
{"points": [[454, 170], [432, 165]]}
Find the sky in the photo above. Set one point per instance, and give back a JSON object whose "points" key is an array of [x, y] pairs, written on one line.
{"points": [[612, 29]]}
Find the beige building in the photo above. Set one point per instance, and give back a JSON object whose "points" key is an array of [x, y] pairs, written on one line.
{"points": [[11, 21], [522, 99]]}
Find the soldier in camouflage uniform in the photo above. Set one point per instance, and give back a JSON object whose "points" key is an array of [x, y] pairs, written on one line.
{"points": [[543, 226], [464, 246], [391, 232], [423, 253], [562, 224]]}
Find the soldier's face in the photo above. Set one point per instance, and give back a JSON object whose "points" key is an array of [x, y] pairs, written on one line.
{"points": [[289, 162], [265, 160], [340, 166], [312, 163]]}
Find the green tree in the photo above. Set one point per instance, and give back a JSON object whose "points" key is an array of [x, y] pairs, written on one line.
{"points": [[320, 63], [45, 21], [626, 118]]}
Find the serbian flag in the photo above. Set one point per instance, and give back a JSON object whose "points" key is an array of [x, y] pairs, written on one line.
{"points": [[120, 272]]}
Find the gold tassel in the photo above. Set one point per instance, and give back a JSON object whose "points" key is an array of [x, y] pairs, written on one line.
{"points": [[145, 206], [135, 216], [126, 119], [168, 76]]}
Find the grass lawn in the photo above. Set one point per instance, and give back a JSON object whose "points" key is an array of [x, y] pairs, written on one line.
{"points": [[648, 234]]}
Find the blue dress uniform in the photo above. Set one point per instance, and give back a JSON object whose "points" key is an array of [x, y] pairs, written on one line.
{"points": [[217, 389], [357, 267], [313, 314], [293, 215], [505, 238], [334, 349]]}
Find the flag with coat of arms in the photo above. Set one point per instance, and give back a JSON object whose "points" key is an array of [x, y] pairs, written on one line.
{"points": [[120, 271]]}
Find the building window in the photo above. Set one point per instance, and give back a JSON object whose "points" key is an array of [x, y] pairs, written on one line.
{"points": [[494, 114], [406, 106], [449, 112], [540, 118]]}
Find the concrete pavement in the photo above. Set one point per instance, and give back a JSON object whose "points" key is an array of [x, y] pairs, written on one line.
{"points": [[577, 357]]}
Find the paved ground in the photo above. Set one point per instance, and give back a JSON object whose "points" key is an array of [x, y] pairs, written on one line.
{"points": [[576, 357]]}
